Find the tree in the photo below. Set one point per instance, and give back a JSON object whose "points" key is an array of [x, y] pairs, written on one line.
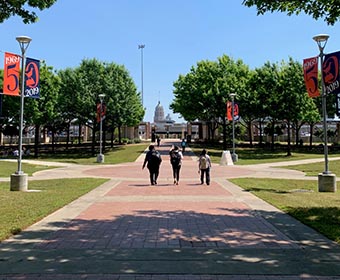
{"points": [[327, 9], [81, 87], [124, 106], [70, 101], [20, 8], [44, 112], [203, 92]]}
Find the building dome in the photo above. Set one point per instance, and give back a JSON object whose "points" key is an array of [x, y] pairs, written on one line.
{"points": [[159, 113]]}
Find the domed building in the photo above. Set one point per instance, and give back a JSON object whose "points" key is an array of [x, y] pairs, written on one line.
{"points": [[165, 127], [159, 113]]}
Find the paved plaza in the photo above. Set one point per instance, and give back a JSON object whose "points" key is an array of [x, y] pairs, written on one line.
{"points": [[127, 229]]}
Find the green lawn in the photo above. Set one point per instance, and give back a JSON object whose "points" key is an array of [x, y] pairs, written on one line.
{"points": [[9, 167], [118, 154], [21, 209], [254, 156], [300, 199], [315, 168]]}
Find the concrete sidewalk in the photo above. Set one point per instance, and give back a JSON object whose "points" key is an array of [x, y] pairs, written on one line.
{"points": [[127, 229]]}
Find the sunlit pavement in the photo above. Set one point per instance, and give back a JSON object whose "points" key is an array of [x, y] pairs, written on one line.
{"points": [[127, 229]]}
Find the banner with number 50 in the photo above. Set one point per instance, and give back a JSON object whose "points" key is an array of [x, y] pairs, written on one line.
{"points": [[11, 74]]}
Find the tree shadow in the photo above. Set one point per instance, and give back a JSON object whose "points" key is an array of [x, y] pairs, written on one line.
{"points": [[240, 241]]}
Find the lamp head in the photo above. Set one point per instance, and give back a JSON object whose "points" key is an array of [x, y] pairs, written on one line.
{"points": [[232, 94], [320, 38], [23, 39], [101, 96]]}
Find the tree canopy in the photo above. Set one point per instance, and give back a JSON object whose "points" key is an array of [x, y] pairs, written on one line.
{"points": [[327, 9], [23, 9]]}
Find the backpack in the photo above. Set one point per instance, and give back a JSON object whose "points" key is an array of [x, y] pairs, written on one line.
{"points": [[175, 158], [203, 162], [155, 158]]}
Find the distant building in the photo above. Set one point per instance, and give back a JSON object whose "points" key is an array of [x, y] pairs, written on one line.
{"points": [[161, 123], [165, 127]]}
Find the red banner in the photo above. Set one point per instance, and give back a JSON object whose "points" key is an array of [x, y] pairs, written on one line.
{"points": [[101, 111], [310, 73], [230, 110], [11, 74]]}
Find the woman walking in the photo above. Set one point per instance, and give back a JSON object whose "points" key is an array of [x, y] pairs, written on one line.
{"points": [[176, 157]]}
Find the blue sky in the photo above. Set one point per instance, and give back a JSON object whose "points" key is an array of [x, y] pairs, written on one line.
{"points": [[177, 34]]}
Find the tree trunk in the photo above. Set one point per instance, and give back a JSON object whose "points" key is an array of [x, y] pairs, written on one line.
{"points": [[250, 134], [53, 141], [311, 128], [68, 136], [119, 134], [36, 141], [224, 134], [79, 134], [272, 130], [289, 153], [93, 138], [261, 133]]}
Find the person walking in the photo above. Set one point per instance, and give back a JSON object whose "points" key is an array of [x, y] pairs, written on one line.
{"points": [[153, 161], [176, 157], [183, 145], [204, 165]]}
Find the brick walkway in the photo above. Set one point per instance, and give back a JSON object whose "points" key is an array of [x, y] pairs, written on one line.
{"points": [[127, 229]]}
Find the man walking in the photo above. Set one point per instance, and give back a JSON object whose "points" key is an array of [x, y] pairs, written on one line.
{"points": [[153, 161], [204, 165]]}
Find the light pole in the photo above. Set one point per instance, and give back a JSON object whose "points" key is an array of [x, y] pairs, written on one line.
{"points": [[326, 180], [19, 179], [234, 156], [141, 47], [100, 157]]}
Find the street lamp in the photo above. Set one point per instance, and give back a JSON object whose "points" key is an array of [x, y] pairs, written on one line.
{"points": [[326, 180], [100, 157], [141, 47], [19, 179], [234, 156]]}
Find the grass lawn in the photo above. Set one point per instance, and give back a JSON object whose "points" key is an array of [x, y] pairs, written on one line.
{"points": [[118, 154], [301, 200], [9, 167], [21, 209], [313, 169], [255, 156]]}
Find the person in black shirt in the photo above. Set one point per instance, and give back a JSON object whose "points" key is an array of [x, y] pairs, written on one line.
{"points": [[152, 161]]}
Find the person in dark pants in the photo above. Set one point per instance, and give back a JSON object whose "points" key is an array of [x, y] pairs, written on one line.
{"points": [[153, 161], [183, 145], [176, 157], [204, 165]]}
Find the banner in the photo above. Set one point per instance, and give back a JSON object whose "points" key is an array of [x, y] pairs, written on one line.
{"points": [[11, 74], [310, 73], [32, 78], [101, 111], [230, 111], [330, 71]]}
